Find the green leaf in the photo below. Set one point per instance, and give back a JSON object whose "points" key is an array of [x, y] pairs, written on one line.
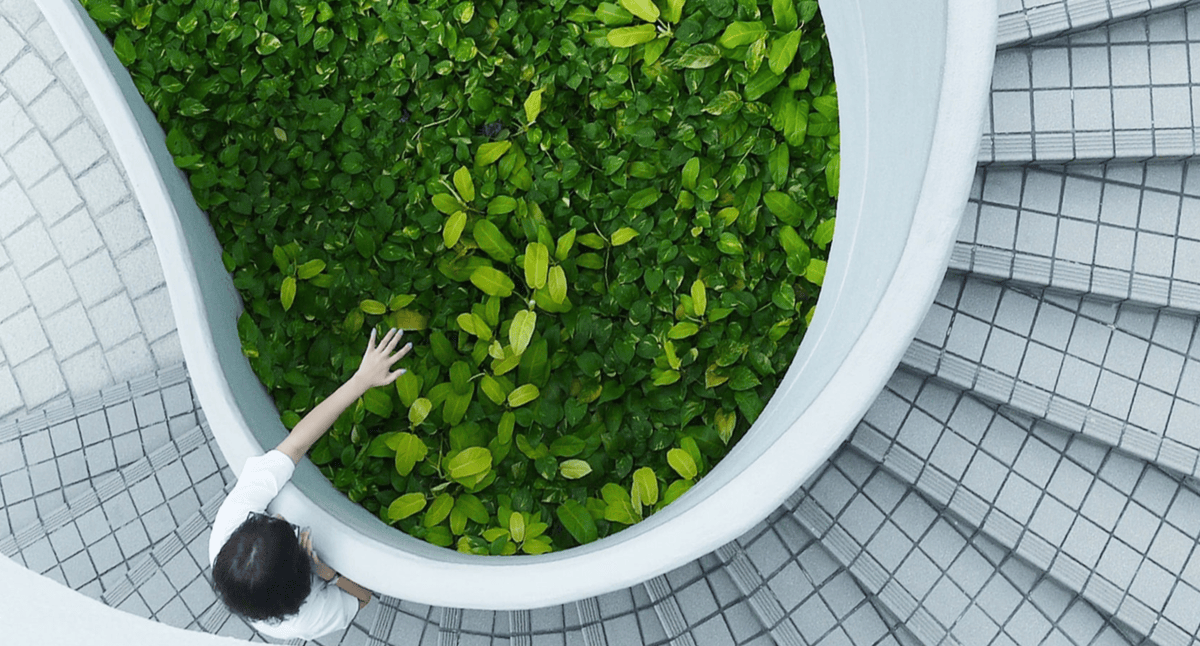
{"points": [[287, 293], [785, 14], [691, 170], [520, 332], [783, 207], [645, 486], [522, 395], [783, 51], [378, 401], [516, 526], [593, 240], [439, 510], [823, 234], [419, 411], [682, 330], [729, 244], [557, 284], [742, 378], [699, 297], [501, 204], [726, 422], [405, 506], [310, 269], [779, 164], [643, 199], [623, 235], [562, 248], [469, 462], [372, 307], [489, 238], [472, 507], [674, 11], [537, 264], [464, 185], [698, 57], [727, 101], [452, 231], [611, 14], [493, 389], [410, 450], [124, 49], [577, 521], [619, 507], [574, 469], [492, 282], [833, 172], [741, 33], [533, 106], [446, 203], [622, 37], [815, 273], [408, 387], [490, 152], [644, 9], [761, 83], [683, 463]]}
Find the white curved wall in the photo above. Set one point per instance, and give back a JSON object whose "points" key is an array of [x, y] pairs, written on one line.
{"points": [[912, 83]]}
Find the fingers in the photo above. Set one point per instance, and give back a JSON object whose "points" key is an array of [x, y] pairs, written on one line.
{"points": [[371, 341], [396, 335]]}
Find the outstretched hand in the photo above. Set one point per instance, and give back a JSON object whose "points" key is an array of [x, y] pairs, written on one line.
{"points": [[377, 361]]}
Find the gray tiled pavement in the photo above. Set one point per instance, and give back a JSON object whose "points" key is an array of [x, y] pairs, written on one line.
{"points": [[1027, 477], [83, 302]]}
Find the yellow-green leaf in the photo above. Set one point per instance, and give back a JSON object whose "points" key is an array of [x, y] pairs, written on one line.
{"points": [[522, 395], [492, 282], [446, 203], [516, 526], [372, 307], [644, 9], [520, 332], [464, 184], [726, 421], [611, 14], [408, 320], [783, 51], [562, 248], [466, 323], [623, 235], [490, 152], [454, 228], [469, 462], [574, 469], [410, 450], [741, 33], [439, 510], [537, 263], [645, 486], [683, 464], [533, 106], [815, 272], [674, 11], [287, 292], [419, 411], [682, 330], [493, 389], [310, 269], [489, 238], [629, 36], [405, 506], [557, 283], [699, 297]]}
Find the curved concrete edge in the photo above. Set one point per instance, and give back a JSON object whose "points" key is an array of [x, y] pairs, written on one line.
{"points": [[722, 506], [36, 610]]}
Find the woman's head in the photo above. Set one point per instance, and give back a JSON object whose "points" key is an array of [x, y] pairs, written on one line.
{"points": [[262, 572]]}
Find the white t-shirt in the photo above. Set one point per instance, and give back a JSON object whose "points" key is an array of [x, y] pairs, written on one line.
{"points": [[328, 608]]}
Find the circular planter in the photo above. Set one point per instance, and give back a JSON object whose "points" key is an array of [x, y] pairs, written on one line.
{"points": [[912, 85]]}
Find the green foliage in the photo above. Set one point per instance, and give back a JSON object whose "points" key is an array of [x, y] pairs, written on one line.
{"points": [[604, 224]]}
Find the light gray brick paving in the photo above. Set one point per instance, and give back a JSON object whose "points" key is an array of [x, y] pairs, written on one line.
{"points": [[54, 196], [1074, 518], [79, 148]]}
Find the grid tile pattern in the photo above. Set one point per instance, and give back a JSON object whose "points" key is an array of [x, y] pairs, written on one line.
{"points": [[1120, 91], [946, 583], [1097, 520], [1024, 20], [1118, 373], [1088, 229], [81, 287]]}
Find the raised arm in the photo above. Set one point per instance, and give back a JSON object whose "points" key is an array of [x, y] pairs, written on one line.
{"points": [[375, 370]]}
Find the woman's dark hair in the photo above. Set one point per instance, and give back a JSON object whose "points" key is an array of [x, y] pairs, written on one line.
{"points": [[262, 572]]}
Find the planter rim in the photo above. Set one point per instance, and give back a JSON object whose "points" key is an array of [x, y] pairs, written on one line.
{"points": [[726, 503]]}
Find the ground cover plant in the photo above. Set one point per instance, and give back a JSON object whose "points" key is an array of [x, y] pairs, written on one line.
{"points": [[602, 224]]}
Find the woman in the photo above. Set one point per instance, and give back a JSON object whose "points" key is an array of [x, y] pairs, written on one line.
{"points": [[264, 568]]}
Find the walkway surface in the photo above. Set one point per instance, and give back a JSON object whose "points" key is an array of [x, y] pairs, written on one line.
{"points": [[1027, 477]]}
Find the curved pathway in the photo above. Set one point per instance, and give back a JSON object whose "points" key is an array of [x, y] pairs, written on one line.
{"points": [[1027, 476]]}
